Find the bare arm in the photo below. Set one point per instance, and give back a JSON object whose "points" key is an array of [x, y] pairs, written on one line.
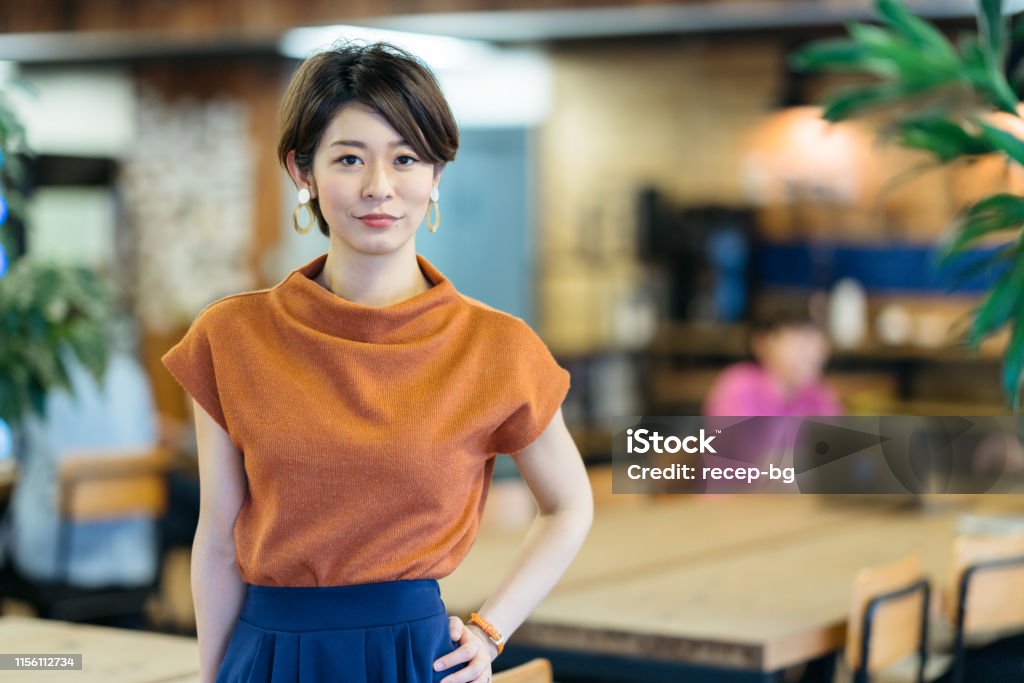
{"points": [[553, 470], [217, 588]]}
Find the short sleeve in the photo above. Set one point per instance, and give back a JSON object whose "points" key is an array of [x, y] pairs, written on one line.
{"points": [[191, 361], [537, 386]]}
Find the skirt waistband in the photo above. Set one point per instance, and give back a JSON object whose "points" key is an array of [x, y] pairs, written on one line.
{"points": [[302, 608]]}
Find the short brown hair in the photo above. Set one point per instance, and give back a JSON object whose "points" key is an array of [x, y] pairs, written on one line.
{"points": [[380, 75]]}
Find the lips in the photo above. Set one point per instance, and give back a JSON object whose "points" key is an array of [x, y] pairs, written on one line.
{"points": [[378, 220]]}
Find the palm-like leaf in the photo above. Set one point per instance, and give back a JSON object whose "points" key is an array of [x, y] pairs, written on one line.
{"points": [[992, 29], [993, 214], [944, 138], [915, 30], [937, 93]]}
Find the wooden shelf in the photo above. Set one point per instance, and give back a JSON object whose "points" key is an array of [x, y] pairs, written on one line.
{"points": [[728, 340]]}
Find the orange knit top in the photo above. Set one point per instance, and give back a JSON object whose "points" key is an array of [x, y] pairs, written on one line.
{"points": [[368, 434]]}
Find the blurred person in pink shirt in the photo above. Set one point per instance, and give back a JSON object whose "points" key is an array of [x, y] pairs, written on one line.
{"points": [[785, 378]]}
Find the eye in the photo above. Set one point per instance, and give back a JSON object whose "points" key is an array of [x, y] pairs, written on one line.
{"points": [[344, 161], [410, 160]]}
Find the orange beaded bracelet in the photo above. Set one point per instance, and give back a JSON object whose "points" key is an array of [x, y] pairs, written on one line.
{"points": [[488, 628]]}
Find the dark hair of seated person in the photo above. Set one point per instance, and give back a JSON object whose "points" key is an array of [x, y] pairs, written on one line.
{"points": [[778, 318]]}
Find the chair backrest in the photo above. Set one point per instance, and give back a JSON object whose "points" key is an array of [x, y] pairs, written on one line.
{"points": [[995, 594], [896, 627], [534, 671], [101, 485]]}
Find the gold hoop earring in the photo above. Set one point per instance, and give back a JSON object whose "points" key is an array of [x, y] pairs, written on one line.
{"points": [[303, 204], [435, 223]]}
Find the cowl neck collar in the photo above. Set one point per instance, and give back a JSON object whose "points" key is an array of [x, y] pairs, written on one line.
{"points": [[314, 306]]}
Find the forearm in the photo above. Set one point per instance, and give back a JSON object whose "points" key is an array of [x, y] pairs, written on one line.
{"points": [[550, 546], [217, 593]]}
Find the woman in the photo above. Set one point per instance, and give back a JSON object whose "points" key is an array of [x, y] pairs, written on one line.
{"points": [[349, 416]]}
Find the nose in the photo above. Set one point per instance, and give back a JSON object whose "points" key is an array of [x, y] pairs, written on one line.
{"points": [[377, 183]]}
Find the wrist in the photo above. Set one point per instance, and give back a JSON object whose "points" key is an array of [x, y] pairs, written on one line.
{"points": [[492, 648]]}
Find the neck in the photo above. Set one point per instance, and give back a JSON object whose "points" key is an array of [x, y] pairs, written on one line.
{"points": [[786, 389], [373, 280]]}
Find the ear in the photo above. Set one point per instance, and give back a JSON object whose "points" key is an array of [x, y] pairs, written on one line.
{"points": [[438, 170], [300, 178]]}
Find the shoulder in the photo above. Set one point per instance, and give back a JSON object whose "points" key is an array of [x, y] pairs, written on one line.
{"points": [[491, 322], [744, 377], [745, 372], [480, 308], [232, 308]]}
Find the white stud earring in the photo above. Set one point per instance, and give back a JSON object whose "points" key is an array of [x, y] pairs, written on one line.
{"points": [[434, 195]]}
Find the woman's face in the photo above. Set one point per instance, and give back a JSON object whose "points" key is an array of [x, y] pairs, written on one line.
{"points": [[362, 167], [795, 354]]}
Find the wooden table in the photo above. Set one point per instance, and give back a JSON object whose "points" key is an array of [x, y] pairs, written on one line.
{"points": [[742, 584], [641, 539], [109, 655]]}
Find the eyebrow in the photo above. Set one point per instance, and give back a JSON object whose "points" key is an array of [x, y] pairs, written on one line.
{"points": [[362, 145]]}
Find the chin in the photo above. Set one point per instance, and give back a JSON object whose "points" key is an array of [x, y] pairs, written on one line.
{"points": [[376, 244]]}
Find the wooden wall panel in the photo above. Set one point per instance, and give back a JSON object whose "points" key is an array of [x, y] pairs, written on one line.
{"points": [[671, 113], [259, 83]]}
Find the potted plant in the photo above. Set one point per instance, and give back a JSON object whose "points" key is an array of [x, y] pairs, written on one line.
{"points": [[940, 97], [47, 310]]}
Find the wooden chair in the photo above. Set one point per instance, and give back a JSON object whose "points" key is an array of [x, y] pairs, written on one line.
{"points": [[986, 590], [534, 671], [96, 486], [888, 618]]}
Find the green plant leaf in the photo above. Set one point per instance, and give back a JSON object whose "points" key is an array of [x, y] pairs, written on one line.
{"points": [[941, 136], [1013, 363], [993, 214], [999, 305], [835, 54], [916, 30], [908, 61], [45, 307], [1003, 141], [986, 76], [849, 102], [996, 261], [14, 168], [37, 396], [992, 29]]}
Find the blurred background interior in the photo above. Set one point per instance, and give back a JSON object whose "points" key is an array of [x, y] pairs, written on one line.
{"points": [[638, 182]]}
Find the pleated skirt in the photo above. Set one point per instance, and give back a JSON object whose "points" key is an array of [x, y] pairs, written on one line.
{"points": [[388, 632]]}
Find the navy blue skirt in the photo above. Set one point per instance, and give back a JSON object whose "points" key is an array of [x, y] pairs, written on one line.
{"points": [[388, 632]]}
